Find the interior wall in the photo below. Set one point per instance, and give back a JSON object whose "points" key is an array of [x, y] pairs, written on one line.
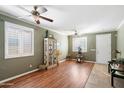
{"points": [[15, 66], [120, 40], [90, 55]]}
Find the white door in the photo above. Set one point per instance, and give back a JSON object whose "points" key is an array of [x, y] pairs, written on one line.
{"points": [[103, 48]]}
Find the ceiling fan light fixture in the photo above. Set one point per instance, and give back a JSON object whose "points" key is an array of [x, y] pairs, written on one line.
{"points": [[36, 18], [38, 22], [76, 33], [36, 14]]}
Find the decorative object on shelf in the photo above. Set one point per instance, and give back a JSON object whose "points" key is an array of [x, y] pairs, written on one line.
{"points": [[46, 34], [51, 36], [116, 52]]}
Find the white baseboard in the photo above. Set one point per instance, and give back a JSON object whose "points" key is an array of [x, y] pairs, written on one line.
{"points": [[74, 59], [62, 60], [90, 61], [85, 61], [14, 77]]}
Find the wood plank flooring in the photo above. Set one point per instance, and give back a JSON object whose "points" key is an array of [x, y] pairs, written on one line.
{"points": [[68, 74], [100, 78]]}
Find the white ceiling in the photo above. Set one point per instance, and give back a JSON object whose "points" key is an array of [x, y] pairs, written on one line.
{"points": [[67, 18]]}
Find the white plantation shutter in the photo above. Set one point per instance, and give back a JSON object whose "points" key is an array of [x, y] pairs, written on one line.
{"points": [[80, 42], [18, 41], [27, 42], [84, 44], [13, 41]]}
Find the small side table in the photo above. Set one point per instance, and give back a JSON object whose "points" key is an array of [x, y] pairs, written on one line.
{"points": [[79, 58]]}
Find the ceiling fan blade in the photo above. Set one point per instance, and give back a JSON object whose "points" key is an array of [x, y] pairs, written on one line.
{"points": [[41, 9], [37, 21], [45, 18]]}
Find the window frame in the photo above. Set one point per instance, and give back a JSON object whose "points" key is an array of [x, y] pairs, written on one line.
{"points": [[12, 25], [85, 38]]}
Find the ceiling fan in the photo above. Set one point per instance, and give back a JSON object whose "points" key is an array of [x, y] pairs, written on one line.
{"points": [[36, 15]]}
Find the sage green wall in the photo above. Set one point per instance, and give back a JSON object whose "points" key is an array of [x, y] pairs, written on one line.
{"points": [[91, 44], [120, 40], [15, 66]]}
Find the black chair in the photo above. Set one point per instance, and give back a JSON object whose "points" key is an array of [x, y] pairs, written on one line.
{"points": [[115, 69]]}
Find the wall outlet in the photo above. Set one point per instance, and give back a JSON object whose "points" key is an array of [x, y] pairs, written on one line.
{"points": [[30, 65]]}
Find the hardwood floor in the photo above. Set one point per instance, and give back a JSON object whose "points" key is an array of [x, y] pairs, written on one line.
{"points": [[100, 78], [68, 74]]}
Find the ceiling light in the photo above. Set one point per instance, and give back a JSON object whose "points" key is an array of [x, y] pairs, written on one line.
{"points": [[76, 32]]}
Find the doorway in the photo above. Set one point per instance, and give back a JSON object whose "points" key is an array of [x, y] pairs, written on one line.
{"points": [[103, 48]]}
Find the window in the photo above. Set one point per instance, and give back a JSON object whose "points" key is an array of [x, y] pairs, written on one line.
{"points": [[19, 41], [80, 42]]}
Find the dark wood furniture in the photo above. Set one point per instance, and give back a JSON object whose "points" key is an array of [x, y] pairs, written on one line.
{"points": [[116, 68], [79, 58], [110, 63]]}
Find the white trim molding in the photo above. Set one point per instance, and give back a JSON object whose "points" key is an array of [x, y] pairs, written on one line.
{"points": [[119, 26], [33, 23], [20, 75], [90, 61], [62, 60], [17, 76]]}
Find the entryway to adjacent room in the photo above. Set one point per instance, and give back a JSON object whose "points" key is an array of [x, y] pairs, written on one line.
{"points": [[103, 48]]}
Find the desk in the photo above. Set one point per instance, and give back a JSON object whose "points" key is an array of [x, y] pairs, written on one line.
{"points": [[114, 62], [116, 67]]}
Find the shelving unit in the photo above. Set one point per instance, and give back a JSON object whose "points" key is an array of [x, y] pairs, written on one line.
{"points": [[50, 45]]}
